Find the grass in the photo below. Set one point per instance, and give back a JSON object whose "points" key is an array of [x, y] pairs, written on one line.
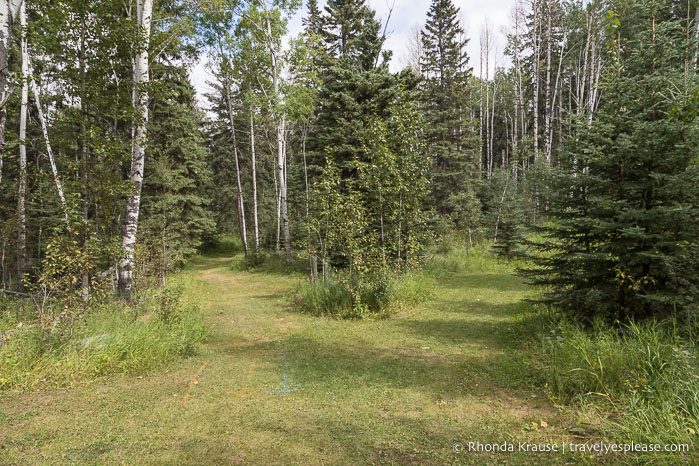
{"points": [[110, 339], [641, 377], [272, 385]]}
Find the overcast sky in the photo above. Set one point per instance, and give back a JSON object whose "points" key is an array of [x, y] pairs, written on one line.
{"points": [[406, 15]]}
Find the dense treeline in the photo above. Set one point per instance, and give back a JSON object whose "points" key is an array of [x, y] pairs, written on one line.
{"points": [[316, 150]]}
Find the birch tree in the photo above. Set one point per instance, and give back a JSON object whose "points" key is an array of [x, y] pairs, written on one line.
{"points": [[268, 22], [22, 185], [144, 16], [9, 10]]}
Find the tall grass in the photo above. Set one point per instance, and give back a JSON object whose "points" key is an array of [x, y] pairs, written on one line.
{"points": [[452, 254], [381, 296], [110, 339], [641, 375]]}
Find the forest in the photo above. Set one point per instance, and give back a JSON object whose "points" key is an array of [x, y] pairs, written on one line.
{"points": [[436, 252]]}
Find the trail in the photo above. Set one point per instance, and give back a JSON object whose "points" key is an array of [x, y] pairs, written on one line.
{"points": [[271, 386]]}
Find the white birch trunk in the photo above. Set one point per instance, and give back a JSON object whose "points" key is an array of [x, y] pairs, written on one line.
{"points": [[22, 187], [9, 9], [555, 94], [141, 79], [695, 55], [281, 138], [47, 141], [548, 102], [239, 186], [281, 143], [535, 78], [481, 117], [254, 182]]}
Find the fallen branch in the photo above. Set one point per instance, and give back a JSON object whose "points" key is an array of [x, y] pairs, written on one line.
{"points": [[17, 293]]}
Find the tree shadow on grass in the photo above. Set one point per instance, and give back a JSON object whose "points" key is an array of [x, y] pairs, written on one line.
{"points": [[502, 282], [347, 368]]}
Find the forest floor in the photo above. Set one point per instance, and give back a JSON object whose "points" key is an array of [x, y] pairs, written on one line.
{"points": [[272, 386]]}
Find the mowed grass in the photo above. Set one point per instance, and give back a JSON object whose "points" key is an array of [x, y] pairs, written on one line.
{"points": [[274, 386]]}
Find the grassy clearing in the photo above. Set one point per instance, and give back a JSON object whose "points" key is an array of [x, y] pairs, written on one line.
{"points": [[275, 386]]}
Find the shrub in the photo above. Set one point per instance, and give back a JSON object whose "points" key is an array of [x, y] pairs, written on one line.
{"points": [[381, 295]]}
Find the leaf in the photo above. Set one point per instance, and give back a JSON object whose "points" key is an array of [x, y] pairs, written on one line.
{"points": [[691, 431]]}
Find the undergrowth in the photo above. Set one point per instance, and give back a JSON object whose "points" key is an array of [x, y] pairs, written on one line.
{"points": [[378, 298], [110, 338], [642, 377]]}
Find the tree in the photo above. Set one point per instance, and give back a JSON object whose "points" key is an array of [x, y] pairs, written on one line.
{"points": [[354, 85], [144, 16], [451, 136], [624, 237], [9, 10], [176, 217]]}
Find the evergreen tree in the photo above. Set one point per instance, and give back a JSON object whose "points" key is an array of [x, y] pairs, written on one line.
{"points": [[508, 230], [452, 139], [623, 244], [177, 219], [354, 86]]}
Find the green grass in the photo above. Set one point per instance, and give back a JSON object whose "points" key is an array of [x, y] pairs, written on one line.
{"points": [[275, 386], [641, 377], [110, 339]]}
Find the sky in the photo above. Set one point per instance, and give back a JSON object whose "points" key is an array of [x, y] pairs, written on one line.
{"points": [[405, 16]]}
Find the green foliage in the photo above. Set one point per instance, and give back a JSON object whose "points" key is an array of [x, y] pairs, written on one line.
{"points": [[176, 218], [374, 221], [623, 241], [380, 296], [157, 330], [642, 376], [508, 218], [452, 141]]}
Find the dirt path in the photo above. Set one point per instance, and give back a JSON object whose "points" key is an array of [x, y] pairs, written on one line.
{"points": [[271, 386]]}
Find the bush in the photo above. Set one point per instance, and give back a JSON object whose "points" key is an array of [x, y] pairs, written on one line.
{"points": [[381, 295], [641, 375], [110, 340]]}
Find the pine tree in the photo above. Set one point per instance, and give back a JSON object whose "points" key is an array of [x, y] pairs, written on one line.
{"points": [[623, 244], [452, 139]]}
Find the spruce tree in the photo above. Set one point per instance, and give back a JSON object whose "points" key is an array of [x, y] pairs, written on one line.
{"points": [[355, 85], [452, 139], [177, 219], [623, 241]]}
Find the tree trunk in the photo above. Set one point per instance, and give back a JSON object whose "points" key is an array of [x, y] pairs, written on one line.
{"points": [[281, 137], [481, 117], [138, 149], [242, 228], [9, 9], [21, 190], [254, 182], [47, 141], [548, 101], [535, 78], [281, 142], [491, 156], [489, 149], [695, 55], [84, 154]]}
